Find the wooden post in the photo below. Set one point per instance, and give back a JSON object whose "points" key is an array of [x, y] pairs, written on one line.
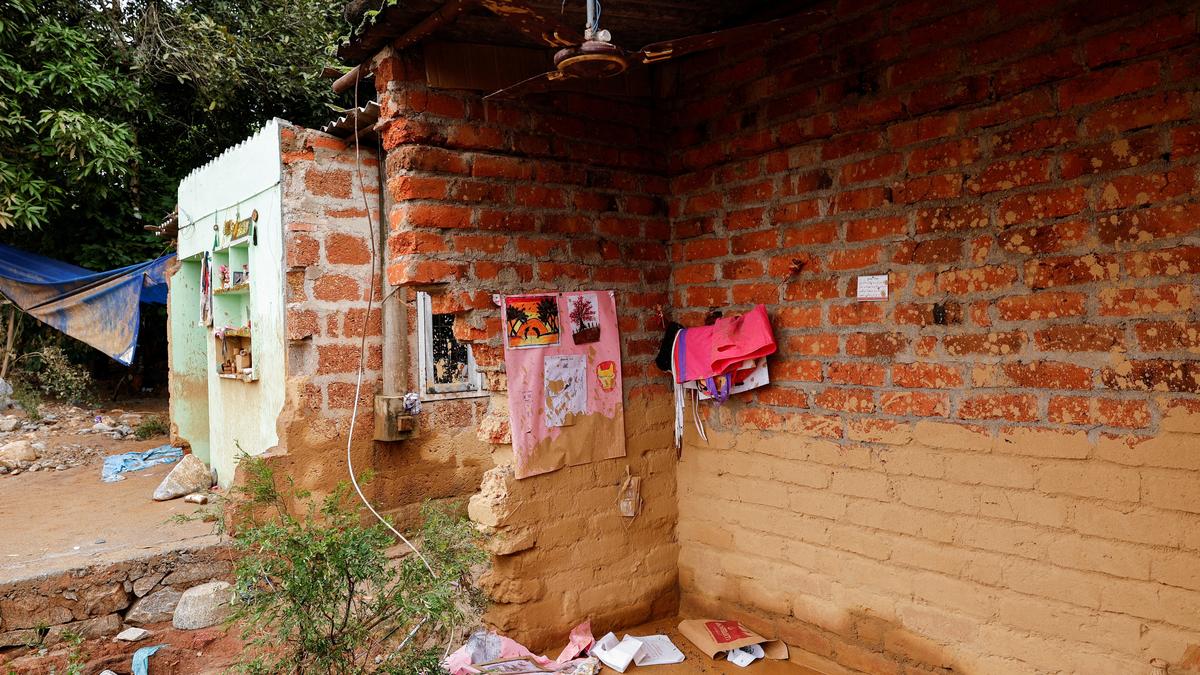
{"points": [[8, 344]]}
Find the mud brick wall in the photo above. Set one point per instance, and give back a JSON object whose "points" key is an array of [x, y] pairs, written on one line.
{"points": [[328, 268], [511, 198], [998, 469]]}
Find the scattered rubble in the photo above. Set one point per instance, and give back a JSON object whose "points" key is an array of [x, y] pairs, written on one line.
{"points": [[59, 439]]}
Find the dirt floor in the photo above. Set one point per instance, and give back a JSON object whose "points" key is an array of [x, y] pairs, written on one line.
{"points": [[696, 661], [199, 652], [212, 651], [57, 520]]}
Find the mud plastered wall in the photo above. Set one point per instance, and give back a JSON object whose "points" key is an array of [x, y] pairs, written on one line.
{"points": [[998, 469], [329, 186], [506, 198]]}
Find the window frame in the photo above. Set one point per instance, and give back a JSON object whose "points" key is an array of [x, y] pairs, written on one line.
{"points": [[429, 390]]}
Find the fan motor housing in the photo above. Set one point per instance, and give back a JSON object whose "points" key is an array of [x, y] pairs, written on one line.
{"points": [[592, 59]]}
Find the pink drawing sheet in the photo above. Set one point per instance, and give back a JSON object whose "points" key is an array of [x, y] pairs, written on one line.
{"points": [[583, 426]]}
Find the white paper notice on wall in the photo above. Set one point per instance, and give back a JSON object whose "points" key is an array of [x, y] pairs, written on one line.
{"points": [[873, 287]]}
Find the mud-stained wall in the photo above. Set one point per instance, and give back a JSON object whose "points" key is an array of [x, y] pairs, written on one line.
{"points": [[997, 470], [503, 198]]}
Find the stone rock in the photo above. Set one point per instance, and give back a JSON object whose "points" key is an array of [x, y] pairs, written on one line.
{"points": [[189, 574], [39, 447], [203, 606], [9, 424], [133, 634], [101, 599], [101, 427], [89, 628], [189, 475], [14, 454], [146, 584], [157, 607]]}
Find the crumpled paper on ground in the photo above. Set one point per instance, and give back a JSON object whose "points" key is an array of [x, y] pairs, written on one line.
{"points": [[484, 646]]}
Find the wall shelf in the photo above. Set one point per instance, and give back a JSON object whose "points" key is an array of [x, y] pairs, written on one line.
{"points": [[238, 289]]}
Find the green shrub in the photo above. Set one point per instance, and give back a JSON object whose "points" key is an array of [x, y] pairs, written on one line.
{"points": [[319, 593], [150, 427], [26, 396], [55, 376]]}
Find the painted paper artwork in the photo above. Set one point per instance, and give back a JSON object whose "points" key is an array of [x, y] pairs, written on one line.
{"points": [[565, 398], [531, 321], [584, 314], [566, 389]]}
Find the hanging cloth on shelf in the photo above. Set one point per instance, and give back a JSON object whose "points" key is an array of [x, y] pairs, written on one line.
{"points": [[716, 361], [741, 338]]}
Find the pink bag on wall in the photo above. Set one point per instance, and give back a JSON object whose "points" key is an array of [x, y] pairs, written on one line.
{"points": [[706, 352], [741, 338]]}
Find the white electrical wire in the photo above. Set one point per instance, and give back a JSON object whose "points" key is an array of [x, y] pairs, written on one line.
{"points": [[362, 348]]}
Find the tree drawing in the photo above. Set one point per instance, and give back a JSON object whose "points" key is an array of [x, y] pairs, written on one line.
{"points": [[547, 309], [582, 313], [515, 316]]}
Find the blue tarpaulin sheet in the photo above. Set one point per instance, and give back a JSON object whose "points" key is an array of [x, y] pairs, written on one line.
{"points": [[102, 309], [115, 465]]}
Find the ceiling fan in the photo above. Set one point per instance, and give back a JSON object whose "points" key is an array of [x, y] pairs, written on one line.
{"points": [[593, 55]]}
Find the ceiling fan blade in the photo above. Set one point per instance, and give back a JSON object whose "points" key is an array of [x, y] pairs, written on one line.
{"points": [[534, 23], [533, 85], [669, 49]]}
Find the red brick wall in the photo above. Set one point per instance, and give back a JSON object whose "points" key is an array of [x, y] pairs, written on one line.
{"points": [[1018, 490], [511, 198], [328, 271]]}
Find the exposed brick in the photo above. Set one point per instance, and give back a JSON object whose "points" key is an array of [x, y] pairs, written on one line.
{"points": [[926, 375], [1121, 413], [1079, 338], [865, 374], [1168, 336], [1108, 83], [1048, 375], [914, 403], [1068, 271], [875, 344], [952, 218], [1155, 375], [1012, 407], [337, 287], [846, 400], [980, 279], [996, 344], [1172, 299], [1146, 224], [328, 182], [1042, 306], [346, 249]]}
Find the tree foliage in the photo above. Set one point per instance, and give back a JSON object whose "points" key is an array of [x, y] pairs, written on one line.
{"points": [[106, 104]]}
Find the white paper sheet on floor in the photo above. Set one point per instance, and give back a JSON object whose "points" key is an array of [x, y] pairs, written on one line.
{"points": [[744, 656], [649, 650]]}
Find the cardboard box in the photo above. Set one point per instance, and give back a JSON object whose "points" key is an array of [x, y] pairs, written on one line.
{"points": [[715, 638]]}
